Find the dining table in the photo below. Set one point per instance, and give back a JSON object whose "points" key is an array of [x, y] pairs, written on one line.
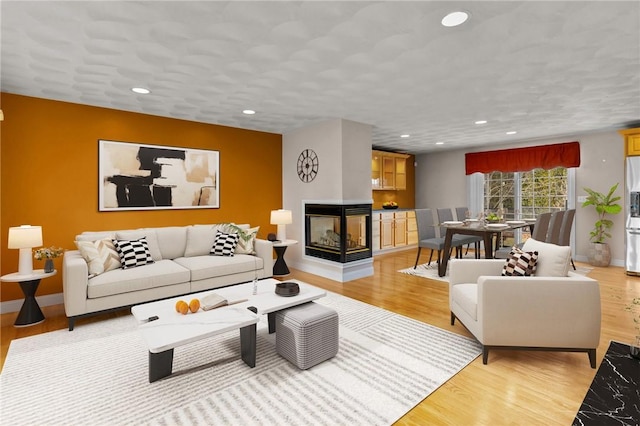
{"points": [[486, 230]]}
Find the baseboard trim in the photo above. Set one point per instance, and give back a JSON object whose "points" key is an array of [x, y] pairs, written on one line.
{"points": [[46, 300]]}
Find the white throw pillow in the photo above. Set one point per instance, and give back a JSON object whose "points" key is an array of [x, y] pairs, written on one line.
{"points": [[553, 260], [100, 255], [200, 239]]}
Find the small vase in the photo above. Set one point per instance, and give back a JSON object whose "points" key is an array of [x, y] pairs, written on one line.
{"points": [[48, 265], [635, 349]]}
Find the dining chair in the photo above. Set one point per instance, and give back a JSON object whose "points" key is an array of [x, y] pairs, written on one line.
{"points": [[427, 235], [565, 230], [555, 224], [461, 214], [539, 233], [458, 240]]}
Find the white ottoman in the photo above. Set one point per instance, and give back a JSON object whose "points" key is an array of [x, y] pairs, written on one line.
{"points": [[307, 334]]}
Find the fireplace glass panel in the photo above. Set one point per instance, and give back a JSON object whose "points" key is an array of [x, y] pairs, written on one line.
{"points": [[338, 232]]}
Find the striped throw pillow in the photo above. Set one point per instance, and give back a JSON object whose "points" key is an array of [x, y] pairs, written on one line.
{"points": [[133, 252], [224, 244]]}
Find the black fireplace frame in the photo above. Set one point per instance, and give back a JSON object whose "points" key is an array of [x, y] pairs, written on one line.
{"points": [[343, 254]]}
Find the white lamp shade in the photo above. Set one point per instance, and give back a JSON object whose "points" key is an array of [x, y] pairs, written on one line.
{"points": [[25, 236], [281, 217]]}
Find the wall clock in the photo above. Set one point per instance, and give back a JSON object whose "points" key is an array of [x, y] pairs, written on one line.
{"points": [[307, 165]]}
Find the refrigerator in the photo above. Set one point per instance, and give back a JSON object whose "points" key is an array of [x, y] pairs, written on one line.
{"points": [[632, 212]]}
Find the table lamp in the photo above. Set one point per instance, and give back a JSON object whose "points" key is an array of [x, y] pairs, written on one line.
{"points": [[25, 238], [281, 218]]}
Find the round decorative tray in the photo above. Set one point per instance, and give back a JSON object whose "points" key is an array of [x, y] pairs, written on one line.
{"points": [[287, 289]]}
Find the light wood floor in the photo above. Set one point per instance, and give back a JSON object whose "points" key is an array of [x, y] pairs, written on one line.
{"points": [[516, 387]]}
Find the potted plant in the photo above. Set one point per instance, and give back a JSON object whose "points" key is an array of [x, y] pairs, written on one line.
{"points": [[599, 252], [634, 308]]}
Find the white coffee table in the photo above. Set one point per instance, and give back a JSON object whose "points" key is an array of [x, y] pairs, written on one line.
{"points": [[172, 329]]}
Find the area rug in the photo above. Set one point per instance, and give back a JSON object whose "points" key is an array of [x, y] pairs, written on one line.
{"points": [[426, 271], [98, 375]]}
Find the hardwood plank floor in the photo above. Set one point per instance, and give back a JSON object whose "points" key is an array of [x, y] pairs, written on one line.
{"points": [[515, 387]]}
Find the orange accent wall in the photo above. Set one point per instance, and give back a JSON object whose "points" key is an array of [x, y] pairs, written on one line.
{"points": [[49, 174], [406, 199]]}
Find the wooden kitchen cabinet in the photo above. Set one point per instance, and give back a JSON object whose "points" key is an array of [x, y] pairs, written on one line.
{"points": [[393, 230], [631, 141], [388, 170]]}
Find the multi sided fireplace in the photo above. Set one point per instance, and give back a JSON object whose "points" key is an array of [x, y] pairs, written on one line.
{"points": [[340, 233]]}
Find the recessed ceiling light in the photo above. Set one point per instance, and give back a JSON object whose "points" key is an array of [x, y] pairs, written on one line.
{"points": [[404, 136], [248, 111], [454, 19], [439, 143], [141, 90], [481, 122], [511, 132]]}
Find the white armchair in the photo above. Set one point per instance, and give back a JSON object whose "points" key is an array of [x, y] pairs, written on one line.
{"points": [[556, 313]]}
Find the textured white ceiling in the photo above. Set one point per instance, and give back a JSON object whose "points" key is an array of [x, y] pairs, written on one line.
{"points": [[542, 68]]}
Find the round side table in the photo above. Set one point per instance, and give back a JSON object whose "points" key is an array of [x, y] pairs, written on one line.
{"points": [[30, 313], [280, 268]]}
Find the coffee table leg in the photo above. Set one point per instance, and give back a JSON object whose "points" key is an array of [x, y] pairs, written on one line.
{"points": [[271, 317], [160, 365], [248, 345]]}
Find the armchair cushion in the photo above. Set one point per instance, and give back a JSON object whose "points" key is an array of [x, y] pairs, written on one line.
{"points": [[520, 263], [553, 260]]}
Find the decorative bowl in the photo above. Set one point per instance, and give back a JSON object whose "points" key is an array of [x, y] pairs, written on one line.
{"points": [[389, 207], [287, 289]]}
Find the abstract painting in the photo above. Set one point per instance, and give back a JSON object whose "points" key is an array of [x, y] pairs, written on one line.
{"points": [[150, 177]]}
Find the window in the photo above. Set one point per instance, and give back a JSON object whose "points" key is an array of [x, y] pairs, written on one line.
{"points": [[525, 194], [521, 195]]}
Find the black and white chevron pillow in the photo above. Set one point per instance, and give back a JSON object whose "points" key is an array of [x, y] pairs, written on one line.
{"points": [[133, 252], [224, 244]]}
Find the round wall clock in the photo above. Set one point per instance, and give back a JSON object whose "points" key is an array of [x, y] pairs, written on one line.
{"points": [[307, 165]]}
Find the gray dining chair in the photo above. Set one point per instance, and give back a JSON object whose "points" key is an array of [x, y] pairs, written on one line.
{"points": [[458, 240], [461, 214], [427, 235], [555, 224], [539, 233], [565, 231]]}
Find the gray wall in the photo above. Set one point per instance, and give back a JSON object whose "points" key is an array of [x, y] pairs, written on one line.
{"points": [[441, 182]]}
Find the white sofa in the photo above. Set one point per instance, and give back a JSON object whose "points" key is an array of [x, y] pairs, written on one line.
{"points": [[181, 265], [552, 310]]}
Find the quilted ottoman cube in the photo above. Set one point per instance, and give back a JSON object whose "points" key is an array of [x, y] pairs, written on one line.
{"points": [[307, 334]]}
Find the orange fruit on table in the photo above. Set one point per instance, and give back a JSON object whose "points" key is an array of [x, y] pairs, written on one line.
{"points": [[194, 305], [182, 307]]}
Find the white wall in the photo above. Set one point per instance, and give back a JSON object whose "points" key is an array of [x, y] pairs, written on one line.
{"points": [[344, 177], [441, 182]]}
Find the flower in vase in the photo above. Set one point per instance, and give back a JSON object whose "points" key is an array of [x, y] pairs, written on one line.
{"points": [[48, 253]]}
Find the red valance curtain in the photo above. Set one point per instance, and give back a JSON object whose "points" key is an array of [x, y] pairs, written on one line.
{"points": [[524, 159]]}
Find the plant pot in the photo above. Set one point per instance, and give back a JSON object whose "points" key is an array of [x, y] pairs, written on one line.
{"points": [[599, 254]]}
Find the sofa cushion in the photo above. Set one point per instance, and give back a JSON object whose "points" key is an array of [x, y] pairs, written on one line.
{"points": [[520, 263], [149, 234], [247, 238], [466, 295], [133, 252], [200, 239], [118, 281], [95, 235], [225, 244], [553, 260], [100, 255], [203, 267], [172, 241]]}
